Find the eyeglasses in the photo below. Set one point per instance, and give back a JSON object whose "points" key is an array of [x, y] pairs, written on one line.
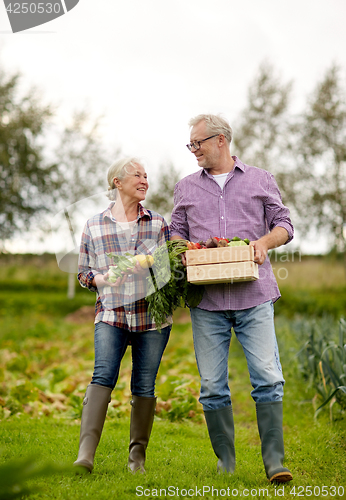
{"points": [[197, 144]]}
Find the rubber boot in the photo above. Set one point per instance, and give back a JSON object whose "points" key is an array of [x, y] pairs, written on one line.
{"points": [[142, 418], [269, 420], [221, 432], [95, 406]]}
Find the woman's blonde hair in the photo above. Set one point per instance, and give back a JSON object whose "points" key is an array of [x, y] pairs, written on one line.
{"points": [[119, 170]]}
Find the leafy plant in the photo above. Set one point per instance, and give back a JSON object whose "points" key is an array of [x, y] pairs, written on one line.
{"points": [[323, 362], [169, 289], [15, 474], [180, 401]]}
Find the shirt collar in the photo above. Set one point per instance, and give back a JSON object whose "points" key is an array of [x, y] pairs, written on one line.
{"points": [[142, 212], [238, 164]]}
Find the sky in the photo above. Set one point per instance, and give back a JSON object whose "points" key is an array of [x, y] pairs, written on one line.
{"points": [[148, 66]]}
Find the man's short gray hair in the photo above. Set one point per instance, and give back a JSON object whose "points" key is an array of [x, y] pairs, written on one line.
{"points": [[215, 125]]}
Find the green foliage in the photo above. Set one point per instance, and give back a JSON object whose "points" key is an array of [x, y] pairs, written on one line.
{"points": [[183, 404], [26, 180], [305, 152], [323, 360], [169, 289], [14, 476], [34, 183], [24, 392], [312, 302]]}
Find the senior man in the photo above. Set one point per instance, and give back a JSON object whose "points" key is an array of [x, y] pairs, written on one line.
{"points": [[227, 198]]}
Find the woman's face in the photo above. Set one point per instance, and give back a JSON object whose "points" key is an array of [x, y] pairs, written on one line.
{"points": [[135, 184]]}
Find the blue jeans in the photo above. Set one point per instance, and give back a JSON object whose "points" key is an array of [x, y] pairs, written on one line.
{"points": [[254, 328], [147, 350]]}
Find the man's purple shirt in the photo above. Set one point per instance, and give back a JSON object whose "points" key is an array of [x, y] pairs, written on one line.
{"points": [[248, 206]]}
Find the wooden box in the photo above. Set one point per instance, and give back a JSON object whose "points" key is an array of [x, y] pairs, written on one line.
{"points": [[221, 265]]}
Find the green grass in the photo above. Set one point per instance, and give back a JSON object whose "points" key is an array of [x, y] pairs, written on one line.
{"points": [[180, 454], [46, 361]]}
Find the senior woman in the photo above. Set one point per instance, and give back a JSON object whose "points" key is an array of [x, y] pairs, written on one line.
{"points": [[121, 313]]}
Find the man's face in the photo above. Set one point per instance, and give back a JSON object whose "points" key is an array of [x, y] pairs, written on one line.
{"points": [[208, 154]]}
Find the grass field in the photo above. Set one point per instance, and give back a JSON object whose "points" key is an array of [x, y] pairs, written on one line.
{"points": [[46, 360]]}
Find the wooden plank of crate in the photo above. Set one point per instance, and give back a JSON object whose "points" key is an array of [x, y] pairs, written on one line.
{"points": [[228, 272], [216, 255]]}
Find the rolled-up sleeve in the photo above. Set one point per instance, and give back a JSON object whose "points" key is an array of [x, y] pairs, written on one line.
{"points": [[87, 261], [277, 214], [179, 225], [164, 233]]}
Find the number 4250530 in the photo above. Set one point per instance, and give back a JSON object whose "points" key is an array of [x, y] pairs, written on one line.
{"points": [[33, 8], [317, 491]]}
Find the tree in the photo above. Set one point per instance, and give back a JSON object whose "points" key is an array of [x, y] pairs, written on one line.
{"points": [[37, 181], [265, 130], [161, 198], [82, 163], [321, 176], [262, 125], [81, 159], [26, 181]]}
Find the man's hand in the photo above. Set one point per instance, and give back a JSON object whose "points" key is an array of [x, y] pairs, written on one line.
{"points": [[182, 255], [277, 237], [261, 251]]}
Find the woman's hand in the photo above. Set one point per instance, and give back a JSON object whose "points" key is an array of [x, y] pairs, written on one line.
{"points": [[138, 269], [101, 280]]}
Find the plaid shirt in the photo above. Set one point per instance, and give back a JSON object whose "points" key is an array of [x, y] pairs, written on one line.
{"points": [[124, 306], [248, 206]]}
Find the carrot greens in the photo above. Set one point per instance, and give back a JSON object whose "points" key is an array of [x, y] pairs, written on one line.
{"points": [[168, 287]]}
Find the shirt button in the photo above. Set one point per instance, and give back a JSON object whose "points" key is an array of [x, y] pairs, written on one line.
{"points": [[221, 197], [222, 217]]}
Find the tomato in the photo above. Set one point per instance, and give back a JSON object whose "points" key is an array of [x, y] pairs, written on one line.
{"points": [[218, 239]]}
